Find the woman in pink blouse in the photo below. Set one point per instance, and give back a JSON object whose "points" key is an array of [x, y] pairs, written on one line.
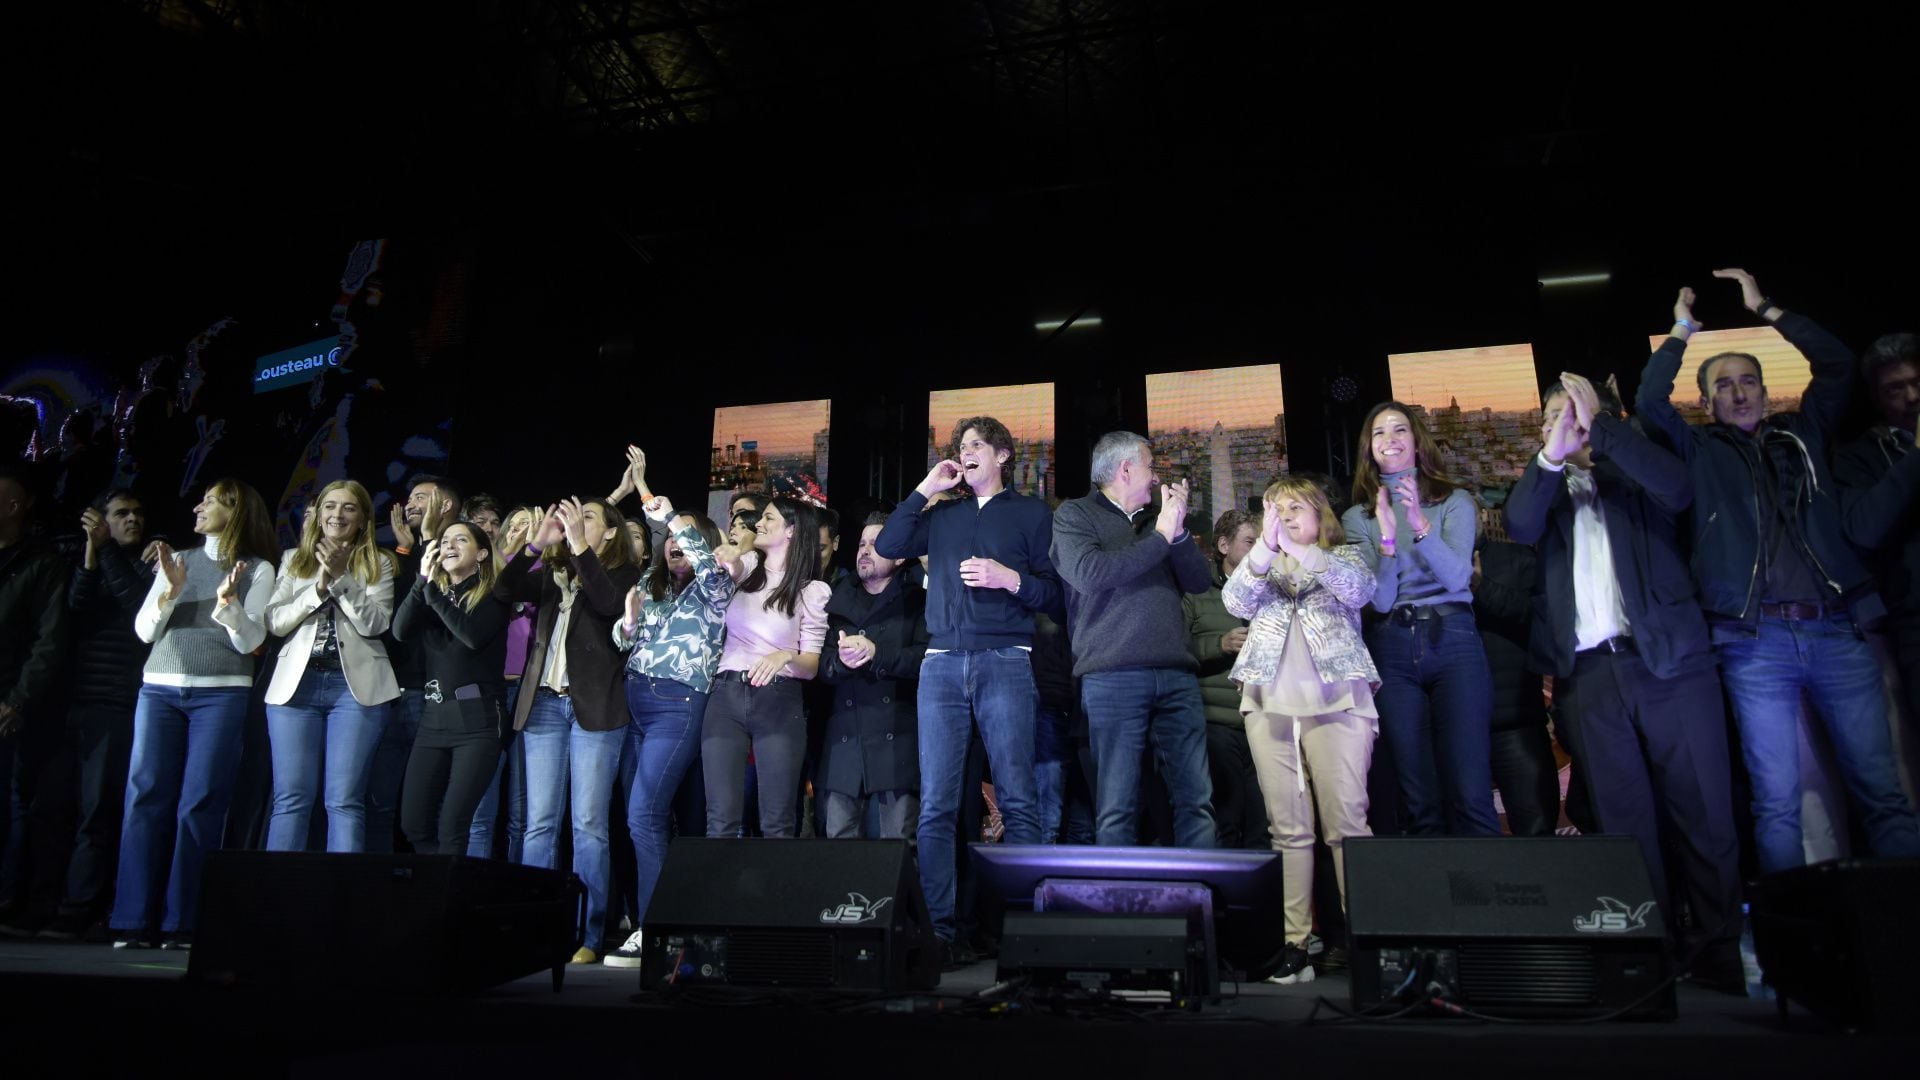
{"points": [[775, 626]]}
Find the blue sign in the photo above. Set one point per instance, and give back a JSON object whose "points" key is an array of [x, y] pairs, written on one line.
{"points": [[300, 364], [749, 445]]}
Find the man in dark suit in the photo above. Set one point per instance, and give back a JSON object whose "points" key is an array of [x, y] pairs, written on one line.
{"points": [[1616, 624]]}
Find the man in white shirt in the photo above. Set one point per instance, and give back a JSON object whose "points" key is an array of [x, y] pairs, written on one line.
{"points": [[1637, 695]]}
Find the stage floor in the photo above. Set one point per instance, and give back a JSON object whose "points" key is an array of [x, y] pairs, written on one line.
{"points": [[96, 1007]]}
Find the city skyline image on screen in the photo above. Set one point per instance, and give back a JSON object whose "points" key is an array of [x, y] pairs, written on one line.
{"points": [[1027, 411], [1223, 430], [1482, 405], [754, 445]]}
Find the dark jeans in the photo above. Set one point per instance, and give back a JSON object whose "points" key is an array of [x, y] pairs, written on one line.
{"points": [[1765, 677], [1652, 747], [771, 721], [991, 688], [1435, 702], [1124, 710], [1051, 748], [510, 776], [446, 776], [101, 740], [663, 738], [387, 773], [1239, 811], [26, 759], [186, 746], [1529, 781]]}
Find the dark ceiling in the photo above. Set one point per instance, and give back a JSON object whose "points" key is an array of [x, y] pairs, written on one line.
{"points": [[783, 182]]}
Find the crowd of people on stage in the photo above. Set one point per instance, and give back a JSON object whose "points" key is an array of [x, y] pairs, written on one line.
{"points": [[505, 682]]}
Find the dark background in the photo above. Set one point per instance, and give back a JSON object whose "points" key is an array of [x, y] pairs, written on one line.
{"points": [[605, 219]]}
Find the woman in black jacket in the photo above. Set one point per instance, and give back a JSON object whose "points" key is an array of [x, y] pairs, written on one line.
{"points": [[461, 630], [572, 706]]}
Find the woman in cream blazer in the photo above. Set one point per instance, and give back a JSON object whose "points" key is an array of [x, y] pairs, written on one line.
{"points": [[329, 694]]}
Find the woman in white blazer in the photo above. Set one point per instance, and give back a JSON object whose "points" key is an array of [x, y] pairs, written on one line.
{"points": [[329, 694]]}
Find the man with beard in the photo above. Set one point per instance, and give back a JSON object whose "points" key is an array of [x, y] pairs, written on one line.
{"points": [[876, 639]]}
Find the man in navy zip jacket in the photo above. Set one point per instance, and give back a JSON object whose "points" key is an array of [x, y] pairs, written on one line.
{"points": [[988, 571], [1786, 597], [1615, 624]]}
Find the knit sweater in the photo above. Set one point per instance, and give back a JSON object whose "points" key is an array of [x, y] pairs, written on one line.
{"points": [[195, 641], [1436, 570], [1124, 584]]}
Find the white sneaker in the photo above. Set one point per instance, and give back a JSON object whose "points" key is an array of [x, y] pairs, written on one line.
{"points": [[627, 955]]}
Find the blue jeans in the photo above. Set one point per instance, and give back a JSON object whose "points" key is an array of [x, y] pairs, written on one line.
{"points": [[663, 740], [994, 689], [1436, 707], [186, 748], [321, 725], [511, 772], [1124, 709], [1765, 677], [389, 769], [1051, 748], [564, 759]]}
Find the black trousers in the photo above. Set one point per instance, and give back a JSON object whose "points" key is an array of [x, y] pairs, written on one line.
{"points": [[1529, 782], [1652, 748], [100, 738], [1238, 809], [446, 777]]}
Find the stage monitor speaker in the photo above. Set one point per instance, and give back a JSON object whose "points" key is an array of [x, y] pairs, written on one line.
{"points": [[792, 914], [1547, 926], [1098, 952], [392, 924], [1839, 938]]}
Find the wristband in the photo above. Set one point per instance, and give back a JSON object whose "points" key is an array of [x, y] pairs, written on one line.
{"points": [[1764, 305], [402, 549], [1692, 327]]}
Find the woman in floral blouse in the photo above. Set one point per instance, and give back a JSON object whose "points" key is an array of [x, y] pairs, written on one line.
{"points": [[675, 626]]}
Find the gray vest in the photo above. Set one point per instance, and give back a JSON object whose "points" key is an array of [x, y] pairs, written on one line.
{"points": [[191, 643]]}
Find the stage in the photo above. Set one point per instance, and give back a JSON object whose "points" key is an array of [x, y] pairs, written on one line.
{"points": [[86, 1008]]}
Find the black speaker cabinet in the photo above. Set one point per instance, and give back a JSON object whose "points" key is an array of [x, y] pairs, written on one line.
{"points": [[397, 924], [1548, 926], [1839, 938], [794, 914]]}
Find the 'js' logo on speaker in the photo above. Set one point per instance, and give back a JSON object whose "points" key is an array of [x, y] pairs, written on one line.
{"points": [[1613, 917], [857, 909]]}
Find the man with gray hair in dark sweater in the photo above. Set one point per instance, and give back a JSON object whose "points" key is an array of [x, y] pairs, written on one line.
{"points": [[1125, 574]]}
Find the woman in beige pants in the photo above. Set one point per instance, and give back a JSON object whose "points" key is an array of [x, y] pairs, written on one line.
{"points": [[1307, 687]]}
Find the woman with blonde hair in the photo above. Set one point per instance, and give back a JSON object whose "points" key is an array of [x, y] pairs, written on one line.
{"points": [[461, 628], [1307, 687], [328, 700], [205, 615]]}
